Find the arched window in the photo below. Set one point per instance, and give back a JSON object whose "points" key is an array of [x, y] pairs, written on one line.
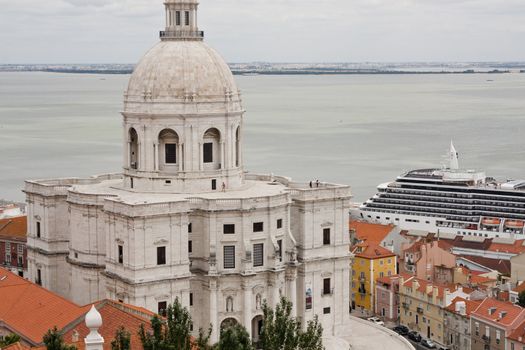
{"points": [[238, 147], [211, 149], [133, 146], [168, 149]]}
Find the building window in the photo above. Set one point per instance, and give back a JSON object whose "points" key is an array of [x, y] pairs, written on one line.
{"points": [[39, 277], [258, 254], [177, 18], [170, 153], [187, 18], [326, 310], [120, 254], [326, 236], [258, 227], [381, 274], [279, 223], [280, 252], [38, 233], [161, 255], [229, 257], [327, 288], [190, 247], [208, 152], [162, 307], [189, 228], [228, 229], [191, 299], [213, 184], [20, 248]]}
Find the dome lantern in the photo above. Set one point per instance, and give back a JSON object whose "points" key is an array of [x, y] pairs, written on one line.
{"points": [[181, 21]]}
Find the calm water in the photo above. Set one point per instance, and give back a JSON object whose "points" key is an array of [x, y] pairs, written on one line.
{"points": [[358, 130]]}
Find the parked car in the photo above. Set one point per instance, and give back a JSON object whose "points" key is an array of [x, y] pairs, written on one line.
{"points": [[376, 320], [428, 343], [413, 335], [401, 330]]}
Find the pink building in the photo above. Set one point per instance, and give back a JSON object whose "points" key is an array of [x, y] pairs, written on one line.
{"points": [[387, 297], [422, 257]]}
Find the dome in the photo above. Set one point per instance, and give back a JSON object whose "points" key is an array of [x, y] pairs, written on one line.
{"points": [[173, 72]]}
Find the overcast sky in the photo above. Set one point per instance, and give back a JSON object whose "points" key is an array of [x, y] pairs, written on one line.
{"points": [[120, 31]]}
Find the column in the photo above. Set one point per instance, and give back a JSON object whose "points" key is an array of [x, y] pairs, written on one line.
{"points": [[223, 155], [248, 296], [291, 282], [275, 290], [179, 156], [214, 338], [201, 162]]}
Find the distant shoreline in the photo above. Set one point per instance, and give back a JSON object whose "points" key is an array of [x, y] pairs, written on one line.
{"points": [[277, 72]]}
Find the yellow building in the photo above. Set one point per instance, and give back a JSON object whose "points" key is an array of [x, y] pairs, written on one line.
{"points": [[422, 306], [370, 263]]}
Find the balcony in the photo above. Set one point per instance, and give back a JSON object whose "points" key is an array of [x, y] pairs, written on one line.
{"points": [[362, 290], [182, 34], [406, 305], [486, 338], [419, 310]]}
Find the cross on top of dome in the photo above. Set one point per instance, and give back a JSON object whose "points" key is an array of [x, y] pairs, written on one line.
{"points": [[181, 21]]}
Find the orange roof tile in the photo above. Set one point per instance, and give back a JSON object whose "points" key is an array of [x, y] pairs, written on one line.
{"points": [[518, 334], [515, 248], [14, 228], [519, 288], [371, 233], [471, 305], [371, 251], [512, 311], [21, 298], [114, 315], [16, 346]]}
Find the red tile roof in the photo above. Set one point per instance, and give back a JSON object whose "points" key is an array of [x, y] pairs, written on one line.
{"points": [[114, 315], [518, 334], [16, 346], [21, 298], [511, 311], [502, 266], [371, 233], [14, 228], [519, 288], [471, 305], [371, 251]]}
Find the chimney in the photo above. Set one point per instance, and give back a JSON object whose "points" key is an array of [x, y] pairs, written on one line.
{"points": [[94, 340]]}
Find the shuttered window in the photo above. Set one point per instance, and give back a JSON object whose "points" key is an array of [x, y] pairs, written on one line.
{"points": [[229, 257], [171, 153], [258, 254]]}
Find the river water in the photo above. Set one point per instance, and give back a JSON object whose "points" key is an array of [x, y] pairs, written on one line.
{"points": [[360, 130]]}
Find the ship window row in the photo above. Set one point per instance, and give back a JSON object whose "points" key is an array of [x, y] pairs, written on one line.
{"points": [[449, 211], [452, 206], [467, 219], [466, 193], [431, 196]]}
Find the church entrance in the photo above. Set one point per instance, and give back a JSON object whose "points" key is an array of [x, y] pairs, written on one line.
{"points": [[257, 324], [228, 322]]}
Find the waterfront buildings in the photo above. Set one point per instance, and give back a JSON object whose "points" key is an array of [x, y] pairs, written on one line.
{"points": [[184, 220], [457, 323], [13, 252], [492, 322], [370, 262], [423, 304]]}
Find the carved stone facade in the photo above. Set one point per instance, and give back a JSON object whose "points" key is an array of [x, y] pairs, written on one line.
{"points": [[184, 220]]}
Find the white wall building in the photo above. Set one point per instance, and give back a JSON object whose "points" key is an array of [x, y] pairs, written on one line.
{"points": [[184, 220]]}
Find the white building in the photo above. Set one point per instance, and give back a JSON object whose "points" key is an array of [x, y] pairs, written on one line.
{"points": [[184, 220]]}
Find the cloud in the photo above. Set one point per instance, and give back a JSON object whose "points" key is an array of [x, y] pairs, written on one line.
{"points": [[275, 30]]}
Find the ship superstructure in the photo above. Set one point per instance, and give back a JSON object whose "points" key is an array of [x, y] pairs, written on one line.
{"points": [[452, 200]]}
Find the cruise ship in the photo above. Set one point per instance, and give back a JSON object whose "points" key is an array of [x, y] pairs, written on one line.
{"points": [[449, 200]]}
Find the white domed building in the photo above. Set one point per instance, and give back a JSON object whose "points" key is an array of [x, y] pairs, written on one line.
{"points": [[184, 220]]}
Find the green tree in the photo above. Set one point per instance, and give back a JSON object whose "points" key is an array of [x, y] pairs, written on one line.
{"points": [[122, 340], [203, 340], [53, 341], [521, 299], [235, 337], [9, 339], [281, 331], [171, 334]]}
